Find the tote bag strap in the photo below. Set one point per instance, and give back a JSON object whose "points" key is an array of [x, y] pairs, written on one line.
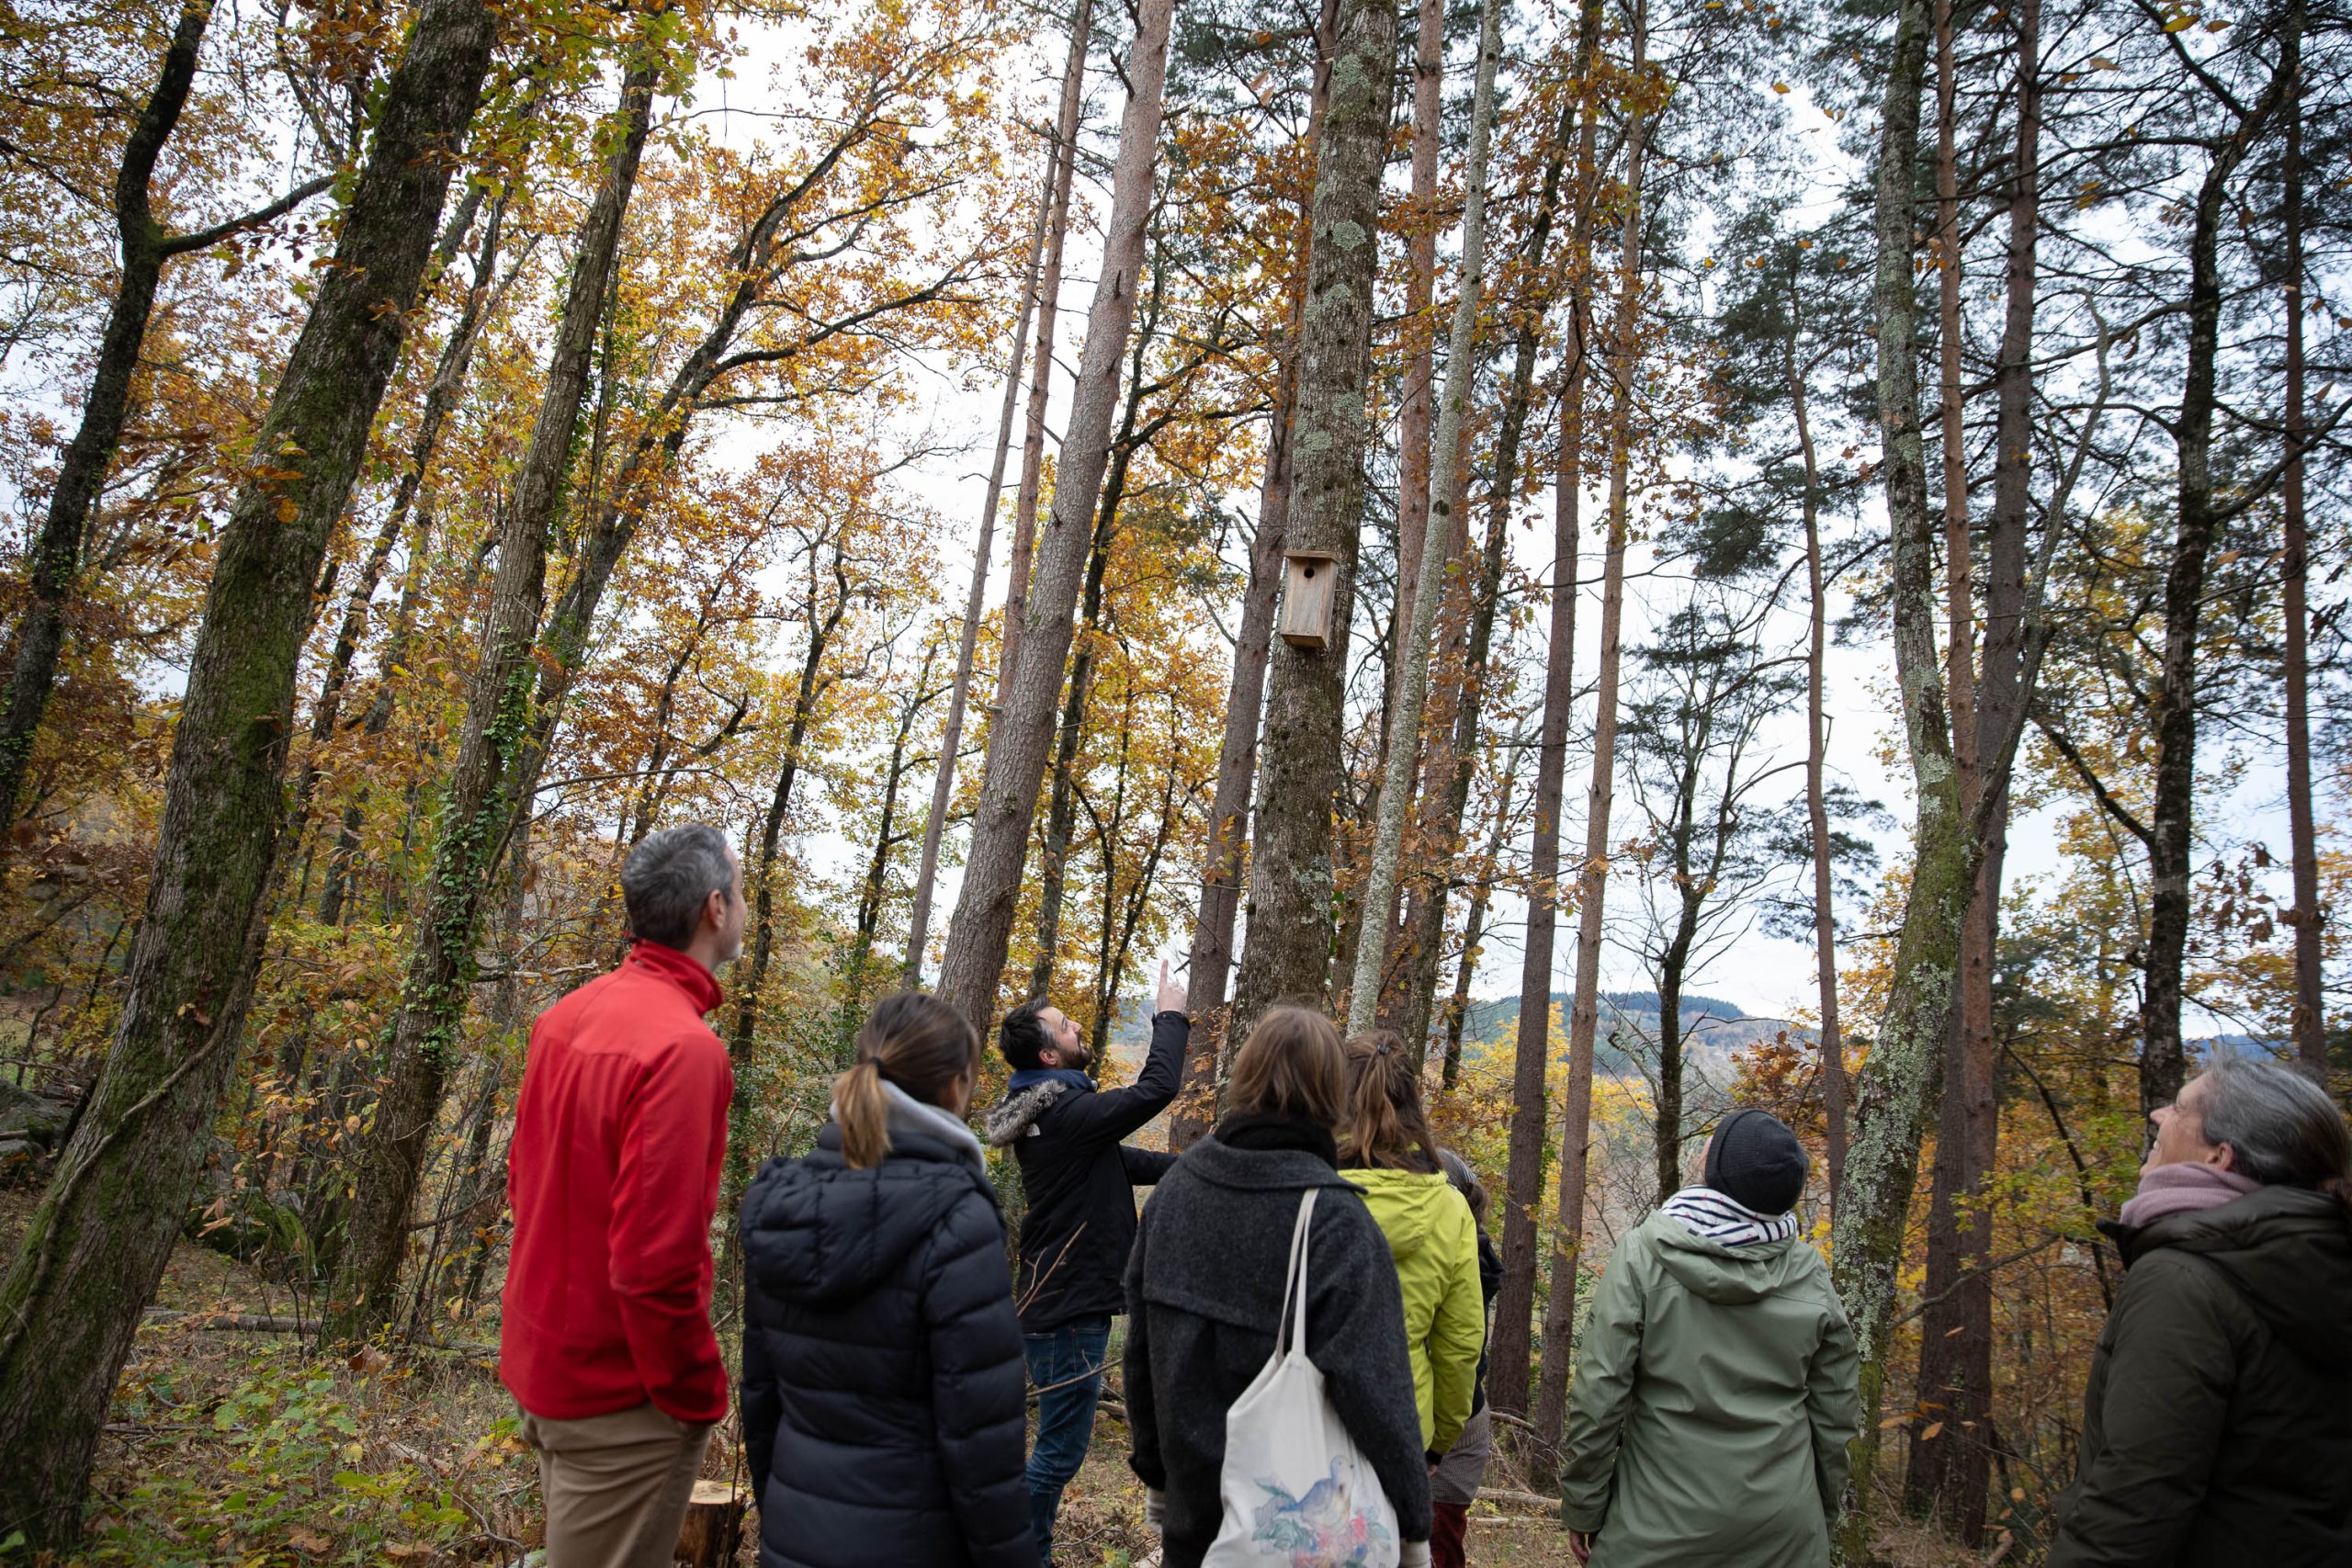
{"points": [[1294, 1313]]}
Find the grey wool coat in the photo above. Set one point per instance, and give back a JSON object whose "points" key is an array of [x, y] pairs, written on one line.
{"points": [[1203, 1296]]}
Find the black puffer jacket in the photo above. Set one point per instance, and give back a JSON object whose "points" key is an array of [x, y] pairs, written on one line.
{"points": [[1204, 1292], [1078, 1181], [883, 1385], [2217, 1429]]}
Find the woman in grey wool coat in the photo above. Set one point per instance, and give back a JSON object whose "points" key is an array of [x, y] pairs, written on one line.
{"points": [[1204, 1287]]}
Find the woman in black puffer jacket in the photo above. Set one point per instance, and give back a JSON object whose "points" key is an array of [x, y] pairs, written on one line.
{"points": [[883, 1384]]}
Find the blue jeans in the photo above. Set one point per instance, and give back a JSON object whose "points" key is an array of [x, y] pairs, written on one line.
{"points": [[1066, 1367]]}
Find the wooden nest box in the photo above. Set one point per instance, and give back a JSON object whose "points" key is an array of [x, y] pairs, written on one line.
{"points": [[1310, 584]]}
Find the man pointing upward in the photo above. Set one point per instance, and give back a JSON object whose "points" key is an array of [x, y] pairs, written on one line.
{"points": [[1077, 1182]]}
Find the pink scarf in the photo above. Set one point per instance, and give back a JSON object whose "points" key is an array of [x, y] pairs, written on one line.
{"points": [[2183, 1189]]}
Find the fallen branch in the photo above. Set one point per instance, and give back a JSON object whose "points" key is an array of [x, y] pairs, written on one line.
{"points": [[1520, 1499], [230, 1322]]}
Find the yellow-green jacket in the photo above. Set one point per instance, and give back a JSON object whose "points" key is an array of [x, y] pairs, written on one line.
{"points": [[1435, 1245]]}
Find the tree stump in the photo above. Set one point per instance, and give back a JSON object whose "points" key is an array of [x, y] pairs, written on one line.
{"points": [[713, 1523]]}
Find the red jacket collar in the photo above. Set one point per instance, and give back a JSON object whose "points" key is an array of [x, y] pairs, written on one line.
{"points": [[688, 974]]}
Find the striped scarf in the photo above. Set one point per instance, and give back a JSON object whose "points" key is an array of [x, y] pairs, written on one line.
{"points": [[1708, 1213]]}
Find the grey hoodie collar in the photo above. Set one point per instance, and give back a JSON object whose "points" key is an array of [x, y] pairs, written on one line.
{"points": [[911, 1115]]}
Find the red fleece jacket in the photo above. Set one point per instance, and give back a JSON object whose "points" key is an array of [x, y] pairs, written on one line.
{"points": [[613, 1176]]}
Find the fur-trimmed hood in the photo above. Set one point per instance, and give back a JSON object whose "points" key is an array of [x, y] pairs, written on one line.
{"points": [[1015, 1116]]}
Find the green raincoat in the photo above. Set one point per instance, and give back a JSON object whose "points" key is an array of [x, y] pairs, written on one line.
{"points": [[1714, 1396], [1435, 1243]]}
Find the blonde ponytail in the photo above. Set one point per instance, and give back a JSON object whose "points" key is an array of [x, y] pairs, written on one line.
{"points": [[863, 1112], [916, 1042]]}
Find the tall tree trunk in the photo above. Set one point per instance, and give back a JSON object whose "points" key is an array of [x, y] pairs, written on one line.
{"points": [[1420, 293], [1951, 1471], [2309, 1024], [478, 806], [1409, 993], [1061, 807], [39, 634], [2173, 716], [749, 982], [440, 397], [1291, 881], [97, 1245], [1041, 375], [1825, 910], [943, 789], [1474, 930], [1567, 1244], [1509, 1349], [874, 886], [1445, 505], [1210, 966], [1895, 1091], [974, 965]]}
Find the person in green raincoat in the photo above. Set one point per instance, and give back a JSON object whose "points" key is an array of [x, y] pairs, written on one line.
{"points": [[1715, 1390], [1432, 1237]]}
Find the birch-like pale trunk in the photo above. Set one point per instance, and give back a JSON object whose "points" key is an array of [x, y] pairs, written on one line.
{"points": [[1445, 502]]}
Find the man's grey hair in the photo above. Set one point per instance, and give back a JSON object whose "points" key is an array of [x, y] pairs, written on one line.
{"points": [[668, 878], [2283, 1128]]}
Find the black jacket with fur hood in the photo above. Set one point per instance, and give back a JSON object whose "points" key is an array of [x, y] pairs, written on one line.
{"points": [[1078, 1180]]}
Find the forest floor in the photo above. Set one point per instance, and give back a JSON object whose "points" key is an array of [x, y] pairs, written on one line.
{"points": [[232, 1447]]}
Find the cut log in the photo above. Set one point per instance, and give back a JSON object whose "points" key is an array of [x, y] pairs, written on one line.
{"points": [[714, 1522]]}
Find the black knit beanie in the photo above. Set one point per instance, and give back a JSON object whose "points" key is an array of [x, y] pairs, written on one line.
{"points": [[1757, 1162]]}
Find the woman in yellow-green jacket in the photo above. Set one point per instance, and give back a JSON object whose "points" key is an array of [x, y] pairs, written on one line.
{"points": [[1389, 1153]]}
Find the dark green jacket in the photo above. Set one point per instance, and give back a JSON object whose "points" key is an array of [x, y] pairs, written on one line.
{"points": [[2217, 1429], [1714, 1400]]}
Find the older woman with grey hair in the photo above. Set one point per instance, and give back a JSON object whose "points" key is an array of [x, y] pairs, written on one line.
{"points": [[2217, 1429]]}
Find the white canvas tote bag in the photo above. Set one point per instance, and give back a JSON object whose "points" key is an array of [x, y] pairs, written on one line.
{"points": [[1297, 1492]]}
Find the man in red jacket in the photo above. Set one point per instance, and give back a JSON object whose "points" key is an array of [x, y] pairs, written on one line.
{"points": [[606, 1339]]}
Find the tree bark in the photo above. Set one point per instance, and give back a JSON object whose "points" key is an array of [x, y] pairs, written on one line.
{"points": [[1409, 995], [1897, 1088], [97, 1243], [1951, 1472], [2172, 827], [1824, 913], [476, 811], [39, 634], [972, 970], [2310, 1021], [1061, 806], [1291, 881], [1509, 1349], [1445, 504], [440, 397], [1413, 432], [1474, 930], [1210, 965], [1567, 1247], [1041, 376], [943, 789]]}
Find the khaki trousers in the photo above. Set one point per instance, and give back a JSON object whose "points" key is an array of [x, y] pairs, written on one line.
{"points": [[616, 1486]]}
